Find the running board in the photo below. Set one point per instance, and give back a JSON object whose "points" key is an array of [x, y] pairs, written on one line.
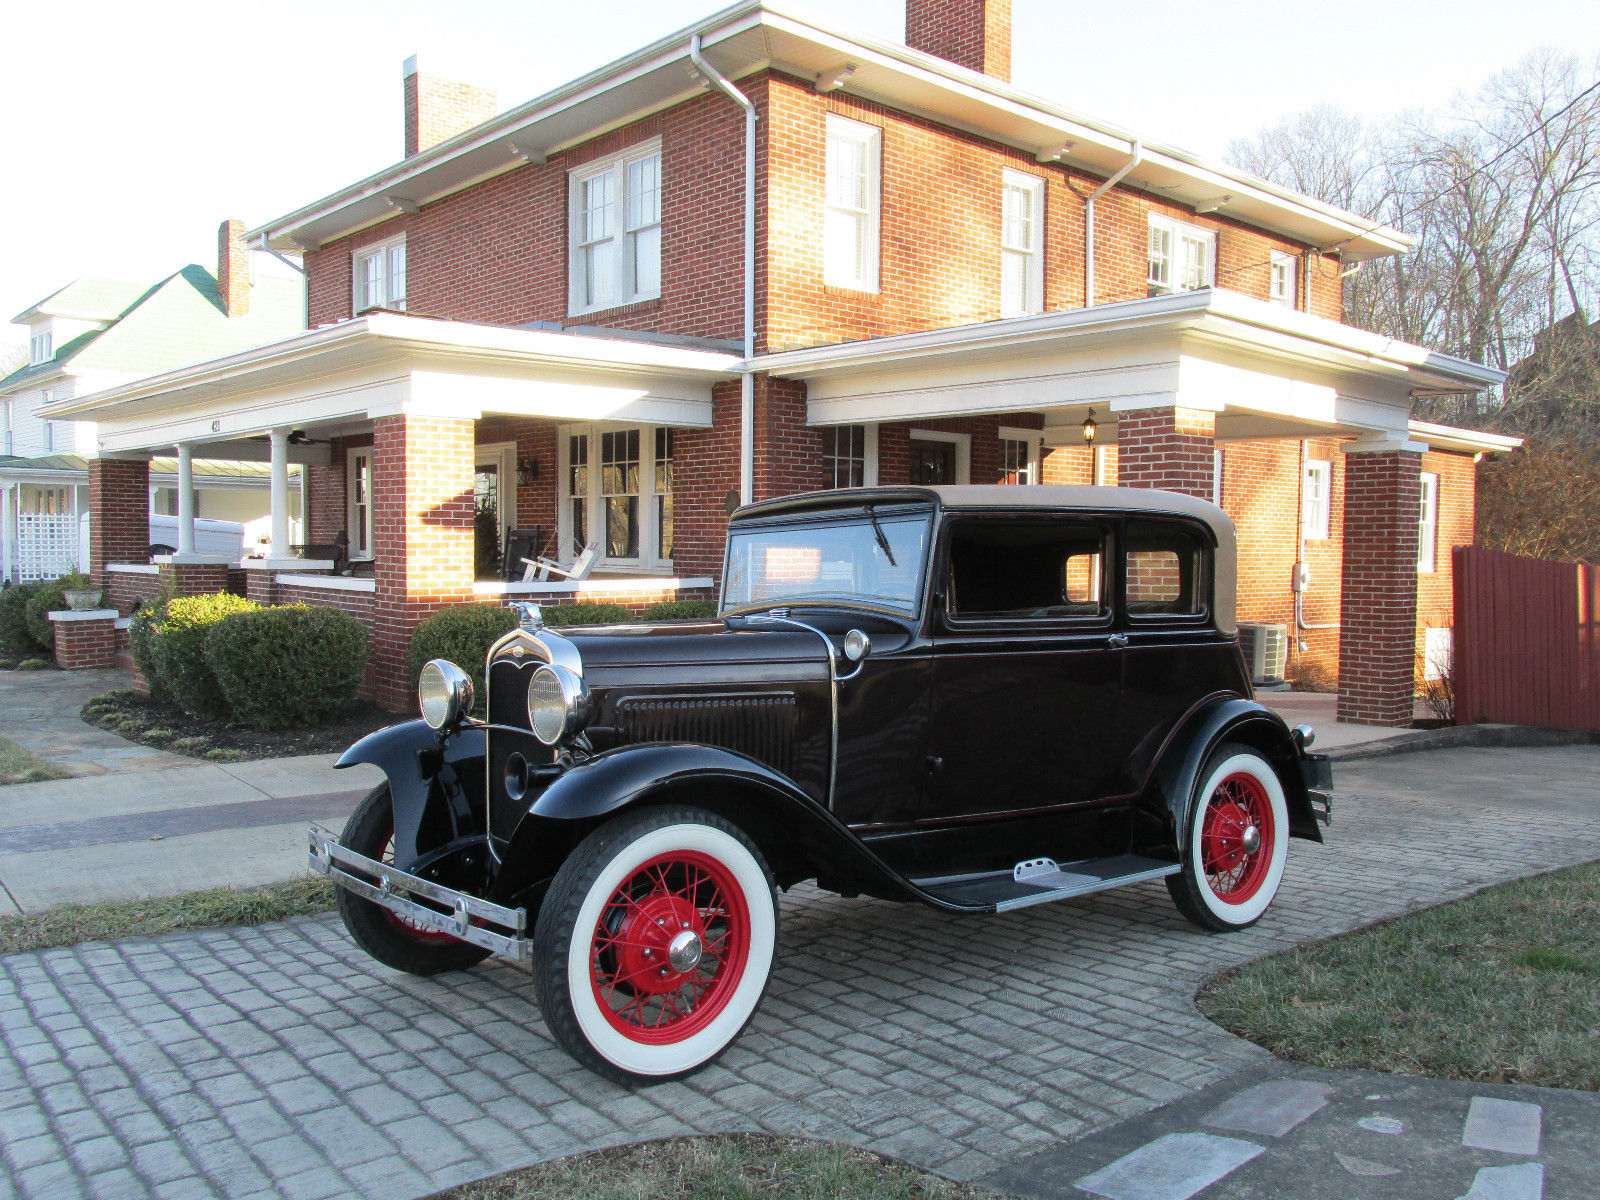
{"points": [[1041, 880]]}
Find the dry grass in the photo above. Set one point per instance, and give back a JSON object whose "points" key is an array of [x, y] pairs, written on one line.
{"points": [[1502, 986], [730, 1167], [69, 924], [19, 766]]}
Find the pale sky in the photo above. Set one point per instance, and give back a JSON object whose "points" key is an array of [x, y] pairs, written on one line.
{"points": [[135, 128]]}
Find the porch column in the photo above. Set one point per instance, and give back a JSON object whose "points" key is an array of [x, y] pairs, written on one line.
{"points": [[185, 499], [1170, 448], [8, 531], [422, 536], [1378, 598], [119, 514], [279, 439]]}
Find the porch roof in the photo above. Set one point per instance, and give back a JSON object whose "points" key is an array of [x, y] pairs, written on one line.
{"points": [[385, 363], [1267, 371]]}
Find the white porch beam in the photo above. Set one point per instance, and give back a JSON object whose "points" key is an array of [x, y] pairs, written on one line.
{"points": [[280, 491], [185, 499]]}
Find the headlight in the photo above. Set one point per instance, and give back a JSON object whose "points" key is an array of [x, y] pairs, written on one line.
{"points": [[558, 704], [444, 693]]}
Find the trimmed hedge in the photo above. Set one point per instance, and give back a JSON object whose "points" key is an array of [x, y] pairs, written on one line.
{"points": [[51, 597], [680, 610], [589, 614], [142, 642], [280, 668], [462, 634], [14, 615], [180, 649]]}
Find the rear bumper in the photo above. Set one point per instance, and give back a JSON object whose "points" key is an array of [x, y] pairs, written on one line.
{"points": [[469, 919]]}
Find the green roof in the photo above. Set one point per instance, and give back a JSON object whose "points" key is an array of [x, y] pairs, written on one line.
{"points": [[89, 298]]}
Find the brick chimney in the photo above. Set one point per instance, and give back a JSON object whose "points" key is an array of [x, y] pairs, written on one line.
{"points": [[438, 109], [233, 269], [972, 33]]}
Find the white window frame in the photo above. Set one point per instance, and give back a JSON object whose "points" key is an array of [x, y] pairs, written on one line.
{"points": [[47, 432], [1021, 257], [1428, 524], [649, 531], [963, 445], [869, 453], [863, 273], [41, 348], [1163, 266], [622, 238], [1284, 279], [11, 432], [361, 297], [1216, 476], [354, 521], [1031, 439], [1316, 500]]}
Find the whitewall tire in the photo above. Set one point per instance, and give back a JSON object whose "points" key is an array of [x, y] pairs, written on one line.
{"points": [[1235, 844]]}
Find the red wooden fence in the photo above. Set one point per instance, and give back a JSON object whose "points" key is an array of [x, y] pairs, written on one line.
{"points": [[1526, 643]]}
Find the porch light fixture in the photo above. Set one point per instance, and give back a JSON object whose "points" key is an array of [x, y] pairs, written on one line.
{"points": [[527, 471], [1089, 428]]}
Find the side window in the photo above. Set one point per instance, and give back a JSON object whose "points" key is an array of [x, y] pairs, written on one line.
{"points": [[1165, 571], [1012, 570]]}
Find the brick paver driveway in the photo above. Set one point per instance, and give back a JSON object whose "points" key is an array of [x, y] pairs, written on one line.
{"points": [[282, 1062]]}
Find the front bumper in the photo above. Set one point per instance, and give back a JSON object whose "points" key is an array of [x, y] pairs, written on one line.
{"points": [[470, 919], [1317, 771]]}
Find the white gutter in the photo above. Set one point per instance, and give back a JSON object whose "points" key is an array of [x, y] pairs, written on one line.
{"points": [[747, 402], [1137, 153]]}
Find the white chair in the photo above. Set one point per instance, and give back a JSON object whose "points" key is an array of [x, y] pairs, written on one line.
{"points": [[539, 570]]}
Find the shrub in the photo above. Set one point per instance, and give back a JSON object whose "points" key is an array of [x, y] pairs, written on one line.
{"points": [[463, 634], [680, 610], [282, 668], [180, 649], [142, 642], [589, 614], [51, 597], [14, 615]]}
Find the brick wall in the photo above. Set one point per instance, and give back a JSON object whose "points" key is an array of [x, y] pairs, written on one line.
{"points": [[125, 589], [974, 33], [1378, 605], [707, 470], [1170, 448], [233, 269], [437, 109], [788, 451], [85, 645], [119, 507]]}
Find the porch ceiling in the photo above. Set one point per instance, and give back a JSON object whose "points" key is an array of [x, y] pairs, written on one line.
{"points": [[384, 364], [1266, 371]]}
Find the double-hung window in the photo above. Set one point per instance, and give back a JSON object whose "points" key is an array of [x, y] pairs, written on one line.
{"points": [[1428, 525], [41, 347], [1018, 456], [853, 201], [1316, 499], [358, 489], [615, 224], [617, 486], [1021, 244], [1182, 257], [844, 456], [1281, 288], [380, 275]]}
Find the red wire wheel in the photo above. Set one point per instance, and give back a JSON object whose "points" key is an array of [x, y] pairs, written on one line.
{"points": [[1237, 836], [404, 926], [670, 948]]}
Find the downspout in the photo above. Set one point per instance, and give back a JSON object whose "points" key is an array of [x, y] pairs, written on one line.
{"points": [[1137, 153], [747, 399]]}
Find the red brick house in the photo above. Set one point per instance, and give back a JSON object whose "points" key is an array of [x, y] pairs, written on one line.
{"points": [[766, 254]]}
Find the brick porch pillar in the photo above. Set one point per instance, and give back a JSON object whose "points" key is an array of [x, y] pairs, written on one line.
{"points": [[119, 514], [1170, 448], [85, 640], [1378, 599], [422, 471]]}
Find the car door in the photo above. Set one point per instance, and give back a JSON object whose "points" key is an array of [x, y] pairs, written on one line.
{"points": [[1026, 669]]}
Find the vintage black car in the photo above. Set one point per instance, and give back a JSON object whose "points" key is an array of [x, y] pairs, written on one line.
{"points": [[979, 698]]}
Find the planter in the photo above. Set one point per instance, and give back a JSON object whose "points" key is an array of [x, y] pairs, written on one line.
{"points": [[83, 599]]}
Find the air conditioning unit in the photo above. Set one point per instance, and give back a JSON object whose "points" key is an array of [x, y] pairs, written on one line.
{"points": [[1266, 651]]}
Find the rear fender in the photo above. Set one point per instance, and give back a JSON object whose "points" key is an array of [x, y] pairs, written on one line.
{"points": [[1170, 795], [798, 837], [433, 780]]}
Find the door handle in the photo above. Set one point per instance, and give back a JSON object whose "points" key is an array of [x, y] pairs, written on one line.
{"points": [[1117, 641]]}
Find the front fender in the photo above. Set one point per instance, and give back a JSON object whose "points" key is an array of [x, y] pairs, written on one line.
{"points": [[422, 768], [1171, 793], [797, 835]]}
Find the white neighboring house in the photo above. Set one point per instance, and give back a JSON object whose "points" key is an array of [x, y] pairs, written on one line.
{"points": [[98, 333]]}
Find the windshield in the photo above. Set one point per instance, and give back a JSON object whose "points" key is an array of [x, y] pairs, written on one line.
{"points": [[853, 559]]}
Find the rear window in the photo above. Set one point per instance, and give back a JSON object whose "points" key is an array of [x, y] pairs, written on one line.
{"points": [[1165, 573], [1010, 569]]}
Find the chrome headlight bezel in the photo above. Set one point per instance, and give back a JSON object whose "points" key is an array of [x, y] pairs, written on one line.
{"points": [[444, 693], [558, 704]]}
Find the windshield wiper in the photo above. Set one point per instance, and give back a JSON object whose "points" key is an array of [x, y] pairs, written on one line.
{"points": [[877, 532]]}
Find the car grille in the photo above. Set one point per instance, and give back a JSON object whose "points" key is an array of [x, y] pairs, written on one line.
{"points": [[760, 726]]}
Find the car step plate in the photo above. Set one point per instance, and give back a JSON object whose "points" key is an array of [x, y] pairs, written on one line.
{"points": [[1041, 880]]}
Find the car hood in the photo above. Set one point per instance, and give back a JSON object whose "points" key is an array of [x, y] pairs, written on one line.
{"points": [[613, 653]]}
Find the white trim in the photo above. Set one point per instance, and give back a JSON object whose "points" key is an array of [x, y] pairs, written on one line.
{"points": [[1428, 523], [204, 560], [1034, 440], [331, 583], [1173, 275], [360, 297], [93, 614], [594, 507], [134, 568], [1469, 441], [864, 273], [287, 564], [1289, 265], [1029, 253], [353, 457], [567, 587], [618, 239], [962, 443], [1316, 508]]}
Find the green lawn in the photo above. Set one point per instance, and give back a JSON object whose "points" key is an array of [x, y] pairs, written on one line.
{"points": [[1501, 986], [69, 924], [731, 1167], [19, 766]]}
